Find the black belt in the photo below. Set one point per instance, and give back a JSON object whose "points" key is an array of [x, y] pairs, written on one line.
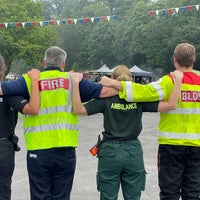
{"points": [[5, 138], [117, 140]]}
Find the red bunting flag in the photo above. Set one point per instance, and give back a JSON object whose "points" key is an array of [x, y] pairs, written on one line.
{"points": [[17, 24], [86, 20], [55, 22], [170, 11], [34, 23], [103, 18], [190, 8], [151, 13], [69, 21], [52, 22]]}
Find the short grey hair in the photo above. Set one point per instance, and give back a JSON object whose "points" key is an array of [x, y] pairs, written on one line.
{"points": [[55, 56]]}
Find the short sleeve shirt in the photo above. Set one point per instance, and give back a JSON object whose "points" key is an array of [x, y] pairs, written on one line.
{"points": [[122, 120], [9, 107]]}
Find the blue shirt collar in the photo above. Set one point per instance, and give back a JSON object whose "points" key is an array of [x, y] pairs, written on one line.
{"points": [[52, 68]]}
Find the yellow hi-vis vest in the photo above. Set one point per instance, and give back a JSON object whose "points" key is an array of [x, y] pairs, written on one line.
{"points": [[182, 125], [55, 125]]}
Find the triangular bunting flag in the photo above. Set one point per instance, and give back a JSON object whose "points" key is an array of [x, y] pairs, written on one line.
{"points": [[18, 24], [92, 19], [171, 10], [177, 10], [115, 17], [190, 8], [157, 12], [151, 13], [103, 18], [58, 22], [86, 20], [34, 24], [69, 21]]}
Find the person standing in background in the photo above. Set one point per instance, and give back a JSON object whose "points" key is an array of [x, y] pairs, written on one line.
{"points": [[9, 107]]}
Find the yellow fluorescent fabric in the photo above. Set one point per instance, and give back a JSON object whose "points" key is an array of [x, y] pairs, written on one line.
{"points": [[55, 125]]}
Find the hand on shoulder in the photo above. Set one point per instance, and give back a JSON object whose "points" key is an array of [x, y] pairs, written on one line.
{"points": [[76, 77], [34, 74], [177, 74]]}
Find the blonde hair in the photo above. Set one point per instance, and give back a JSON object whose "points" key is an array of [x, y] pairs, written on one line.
{"points": [[122, 73]]}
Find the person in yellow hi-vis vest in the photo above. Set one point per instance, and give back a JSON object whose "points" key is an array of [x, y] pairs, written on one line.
{"points": [[178, 130], [52, 136]]}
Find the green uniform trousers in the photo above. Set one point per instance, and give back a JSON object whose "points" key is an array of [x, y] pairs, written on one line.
{"points": [[121, 163]]}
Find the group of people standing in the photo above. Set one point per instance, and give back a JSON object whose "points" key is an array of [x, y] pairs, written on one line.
{"points": [[51, 101]]}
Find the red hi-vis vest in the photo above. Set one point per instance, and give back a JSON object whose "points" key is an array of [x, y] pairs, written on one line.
{"points": [[55, 125], [182, 126], [176, 127]]}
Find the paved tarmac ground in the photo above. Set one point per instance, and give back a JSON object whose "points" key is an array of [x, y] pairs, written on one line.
{"points": [[84, 187]]}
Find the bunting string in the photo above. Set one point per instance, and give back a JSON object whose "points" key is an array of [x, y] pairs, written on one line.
{"points": [[58, 22], [173, 10]]}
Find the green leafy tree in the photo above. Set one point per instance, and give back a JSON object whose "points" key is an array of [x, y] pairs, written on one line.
{"points": [[135, 38], [52, 8], [27, 43]]}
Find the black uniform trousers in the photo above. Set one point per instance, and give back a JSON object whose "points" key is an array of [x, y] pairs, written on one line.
{"points": [[7, 163], [51, 173], [179, 172]]}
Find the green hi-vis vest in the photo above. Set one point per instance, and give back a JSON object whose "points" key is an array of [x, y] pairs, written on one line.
{"points": [[176, 127], [55, 125]]}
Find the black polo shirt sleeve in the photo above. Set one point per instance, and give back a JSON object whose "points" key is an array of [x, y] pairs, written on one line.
{"points": [[17, 102], [150, 106]]}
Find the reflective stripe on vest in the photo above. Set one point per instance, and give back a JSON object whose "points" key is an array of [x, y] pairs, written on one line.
{"points": [[182, 125], [187, 136], [135, 92], [55, 125], [129, 92], [159, 89], [186, 111]]}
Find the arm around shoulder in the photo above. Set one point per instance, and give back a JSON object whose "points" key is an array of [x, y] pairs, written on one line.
{"points": [[171, 104], [33, 106]]}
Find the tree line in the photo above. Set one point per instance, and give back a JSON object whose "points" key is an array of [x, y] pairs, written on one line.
{"points": [[135, 38]]}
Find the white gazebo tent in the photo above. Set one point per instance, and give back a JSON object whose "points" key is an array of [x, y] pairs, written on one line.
{"points": [[96, 75], [104, 69], [141, 76]]}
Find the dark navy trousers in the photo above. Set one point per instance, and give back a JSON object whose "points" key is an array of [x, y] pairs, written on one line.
{"points": [[7, 163], [51, 173]]}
